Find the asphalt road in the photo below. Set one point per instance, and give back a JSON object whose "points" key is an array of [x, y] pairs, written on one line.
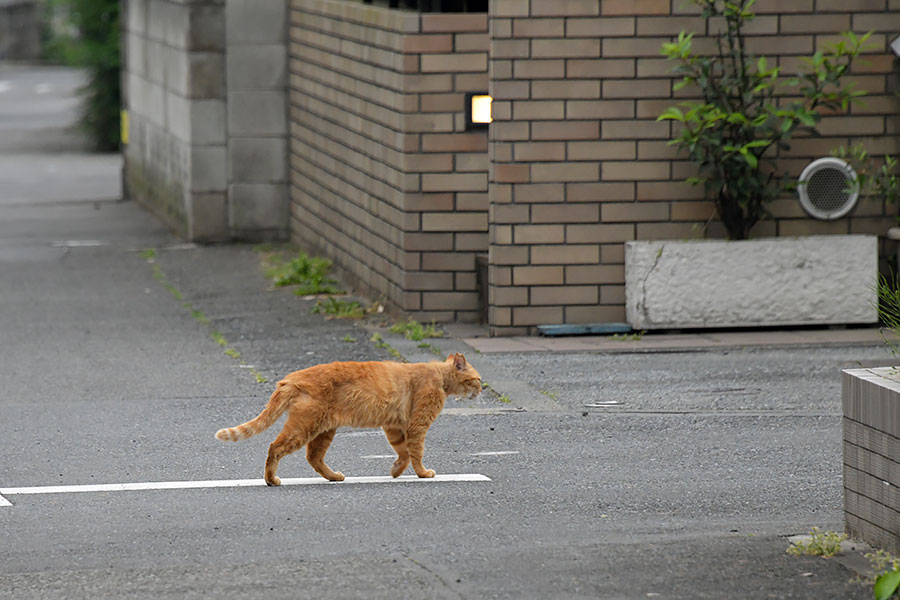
{"points": [[685, 489]]}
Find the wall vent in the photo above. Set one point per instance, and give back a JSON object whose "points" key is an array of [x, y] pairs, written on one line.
{"points": [[828, 188]]}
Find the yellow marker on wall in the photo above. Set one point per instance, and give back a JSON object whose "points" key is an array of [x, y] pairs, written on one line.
{"points": [[124, 126]]}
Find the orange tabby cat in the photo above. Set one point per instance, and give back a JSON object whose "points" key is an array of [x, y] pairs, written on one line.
{"points": [[403, 399]]}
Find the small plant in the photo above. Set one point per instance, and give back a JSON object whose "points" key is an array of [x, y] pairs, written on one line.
{"points": [[888, 297], [379, 342], [259, 376], [334, 308], [308, 273], [629, 337], [415, 331], [748, 109], [504, 399], [232, 353], [874, 178], [218, 338], [821, 543], [348, 338], [431, 348], [149, 254], [549, 394]]}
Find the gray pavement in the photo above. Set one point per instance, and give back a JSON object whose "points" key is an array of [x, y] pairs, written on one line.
{"points": [[614, 474]]}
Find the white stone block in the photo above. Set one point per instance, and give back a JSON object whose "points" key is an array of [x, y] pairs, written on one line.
{"points": [[178, 116], [262, 206], [257, 113], [207, 31], [256, 21], [208, 169], [156, 58], [208, 122], [137, 16], [135, 55], [815, 280], [257, 160], [208, 217], [256, 67]]}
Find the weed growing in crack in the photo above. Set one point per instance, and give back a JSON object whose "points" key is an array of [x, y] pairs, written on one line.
{"points": [[415, 331], [335, 308], [821, 543], [379, 342]]}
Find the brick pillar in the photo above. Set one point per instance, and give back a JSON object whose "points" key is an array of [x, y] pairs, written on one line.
{"points": [[547, 253]]}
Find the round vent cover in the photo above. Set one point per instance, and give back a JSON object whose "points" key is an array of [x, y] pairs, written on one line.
{"points": [[828, 188]]}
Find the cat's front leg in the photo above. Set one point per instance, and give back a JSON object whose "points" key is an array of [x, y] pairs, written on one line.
{"points": [[415, 444], [397, 438]]}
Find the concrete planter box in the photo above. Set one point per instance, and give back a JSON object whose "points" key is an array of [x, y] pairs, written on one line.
{"points": [[871, 403], [817, 280]]}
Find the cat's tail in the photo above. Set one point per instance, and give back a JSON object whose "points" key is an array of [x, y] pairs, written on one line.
{"points": [[278, 403]]}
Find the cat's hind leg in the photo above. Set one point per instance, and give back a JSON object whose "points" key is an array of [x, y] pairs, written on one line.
{"points": [[315, 454], [299, 429], [397, 439]]}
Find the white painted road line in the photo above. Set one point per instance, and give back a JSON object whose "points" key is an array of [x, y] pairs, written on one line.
{"points": [[224, 483], [4, 502], [379, 456], [497, 453]]}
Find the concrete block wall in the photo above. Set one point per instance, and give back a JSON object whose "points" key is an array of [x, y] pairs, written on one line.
{"points": [[256, 72], [20, 30], [871, 424], [175, 93], [579, 164], [385, 179], [204, 84]]}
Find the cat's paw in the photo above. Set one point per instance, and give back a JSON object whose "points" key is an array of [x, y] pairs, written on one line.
{"points": [[398, 467], [337, 476], [426, 474], [274, 481]]}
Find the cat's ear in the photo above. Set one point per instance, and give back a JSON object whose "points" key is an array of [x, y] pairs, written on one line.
{"points": [[459, 361]]}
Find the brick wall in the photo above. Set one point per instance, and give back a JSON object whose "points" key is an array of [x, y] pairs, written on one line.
{"points": [[385, 179], [580, 165], [871, 427]]}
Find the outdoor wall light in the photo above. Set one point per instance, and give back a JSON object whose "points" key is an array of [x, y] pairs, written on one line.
{"points": [[478, 110], [895, 46]]}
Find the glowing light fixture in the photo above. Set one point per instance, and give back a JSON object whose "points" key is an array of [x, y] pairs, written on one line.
{"points": [[478, 110]]}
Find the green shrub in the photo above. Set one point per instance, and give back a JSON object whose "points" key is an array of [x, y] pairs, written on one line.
{"points": [[90, 40], [748, 108]]}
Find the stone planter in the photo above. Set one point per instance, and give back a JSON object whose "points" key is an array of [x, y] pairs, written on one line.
{"points": [[871, 424], [817, 280]]}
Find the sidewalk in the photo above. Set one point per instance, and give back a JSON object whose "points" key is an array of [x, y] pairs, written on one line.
{"points": [[477, 338]]}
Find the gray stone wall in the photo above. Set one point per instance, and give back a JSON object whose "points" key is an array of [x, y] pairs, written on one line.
{"points": [[20, 30], [256, 58], [204, 87], [871, 403]]}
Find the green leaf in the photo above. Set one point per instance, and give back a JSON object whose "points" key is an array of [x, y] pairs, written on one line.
{"points": [[807, 119], [749, 157], [673, 112], [887, 584]]}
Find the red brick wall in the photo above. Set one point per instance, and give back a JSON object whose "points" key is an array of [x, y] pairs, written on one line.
{"points": [[385, 179], [580, 165]]}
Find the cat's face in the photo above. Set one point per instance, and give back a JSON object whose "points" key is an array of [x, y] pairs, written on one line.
{"points": [[467, 380]]}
